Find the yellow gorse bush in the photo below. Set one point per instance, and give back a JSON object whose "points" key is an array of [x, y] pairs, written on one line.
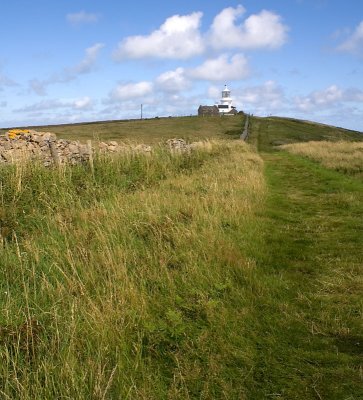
{"points": [[13, 133]]}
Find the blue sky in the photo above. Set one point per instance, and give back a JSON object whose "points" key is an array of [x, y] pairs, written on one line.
{"points": [[88, 60]]}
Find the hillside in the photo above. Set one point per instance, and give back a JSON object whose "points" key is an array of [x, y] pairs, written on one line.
{"points": [[275, 131], [150, 131], [233, 271]]}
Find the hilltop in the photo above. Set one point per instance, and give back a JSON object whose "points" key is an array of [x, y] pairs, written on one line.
{"points": [[193, 128]]}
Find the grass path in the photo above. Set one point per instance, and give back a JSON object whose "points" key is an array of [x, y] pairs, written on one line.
{"points": [[309, 338]]}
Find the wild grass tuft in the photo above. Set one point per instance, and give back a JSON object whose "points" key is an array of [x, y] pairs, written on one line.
{"points": [[342, 156]]}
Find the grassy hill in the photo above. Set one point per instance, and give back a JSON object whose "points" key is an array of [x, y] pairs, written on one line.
{"points": [[150, 131], [275, 131], [231, 272]]}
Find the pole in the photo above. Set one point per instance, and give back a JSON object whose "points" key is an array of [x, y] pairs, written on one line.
{"points": [[141, 111]]}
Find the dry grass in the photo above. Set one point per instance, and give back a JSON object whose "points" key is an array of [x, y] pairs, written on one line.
{"points": [[136, 291], [341, 156]]}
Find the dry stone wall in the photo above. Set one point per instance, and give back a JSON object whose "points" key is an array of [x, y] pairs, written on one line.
{"points": [[22, 145]]}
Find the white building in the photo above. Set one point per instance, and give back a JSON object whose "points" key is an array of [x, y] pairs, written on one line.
{"points": [[225, 104]]}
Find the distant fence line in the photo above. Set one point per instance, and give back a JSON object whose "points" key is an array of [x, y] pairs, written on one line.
{"points": [[244, 134]]}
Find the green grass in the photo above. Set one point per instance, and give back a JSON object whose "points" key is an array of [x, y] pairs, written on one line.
{"points": [[345, 157], [310, 315], [151, 131], [309, 334], [131, 282], [274, 131], [226, 273]]}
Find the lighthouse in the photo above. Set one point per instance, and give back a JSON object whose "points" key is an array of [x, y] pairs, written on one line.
{"points": [[225, 104]]}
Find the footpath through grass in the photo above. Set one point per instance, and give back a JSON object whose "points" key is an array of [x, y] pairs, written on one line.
{"points": [[309, 337]]}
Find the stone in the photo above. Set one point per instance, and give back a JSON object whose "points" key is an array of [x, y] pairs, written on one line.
{"points": [[73, 147], [103, 145], [177, 144]]}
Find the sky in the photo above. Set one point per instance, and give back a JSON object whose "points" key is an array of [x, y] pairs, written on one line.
{"points": [[89, 60]]}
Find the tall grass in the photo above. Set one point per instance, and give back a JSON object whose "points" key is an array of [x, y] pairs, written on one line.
{"points": [[342, 156], [133, 280]]}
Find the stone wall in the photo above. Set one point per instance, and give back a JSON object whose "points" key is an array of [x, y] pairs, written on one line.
{"points": [[21, 145]]}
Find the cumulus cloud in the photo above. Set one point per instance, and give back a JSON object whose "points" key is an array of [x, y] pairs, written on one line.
{"points": [[354, 43], [261, 99], [85, 66], [173, 81], [84, 103], [263, 30], [222, 69], [266, 97], [322, 98], [332, 96], [82, 17], [178, 37], [131, 91]]}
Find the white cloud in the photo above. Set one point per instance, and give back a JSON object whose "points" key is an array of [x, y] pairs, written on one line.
{"points": [[263, 30], [222, 69], [85, 66], [124, 92], [82, 17], [354, 43], [173, 81], [88, 62], [83, 103], [330, 97], [178, 37], [214, 92], [262, 99]]}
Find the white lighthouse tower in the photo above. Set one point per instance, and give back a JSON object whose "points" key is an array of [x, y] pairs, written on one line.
{"points": [[225, 104]]}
